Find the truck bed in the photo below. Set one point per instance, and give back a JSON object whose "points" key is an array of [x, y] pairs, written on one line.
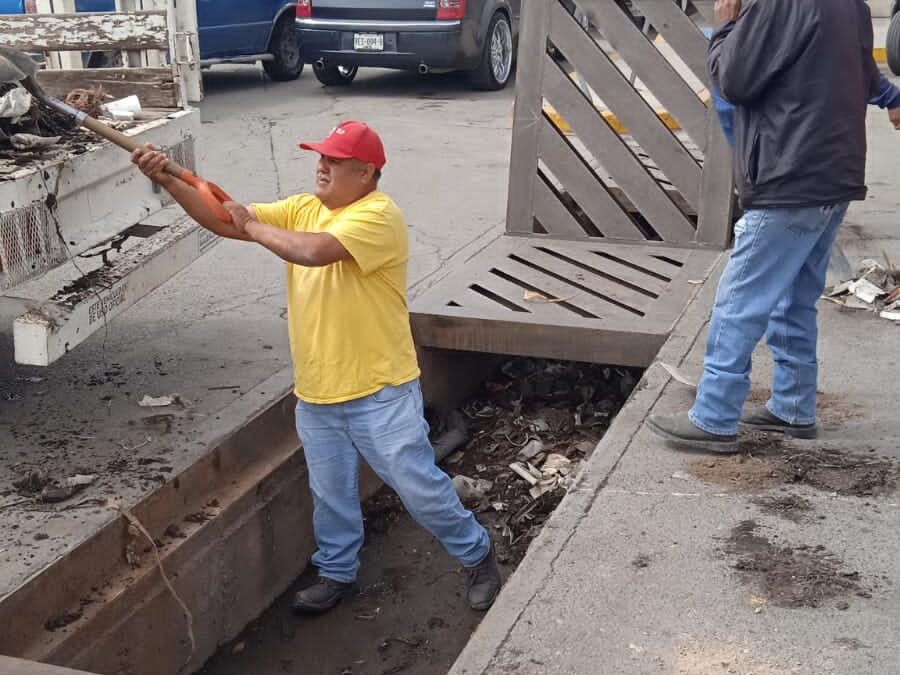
{"points": [[80, 216], [15, 164]]}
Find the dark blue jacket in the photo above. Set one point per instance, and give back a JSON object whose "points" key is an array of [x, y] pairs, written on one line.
{"points": [[800, 74], [888, 98]]}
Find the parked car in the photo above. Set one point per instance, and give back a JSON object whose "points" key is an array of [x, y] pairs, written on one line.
{"points": [[479, 36], [893, 39], [229, 32], [17, 6]]}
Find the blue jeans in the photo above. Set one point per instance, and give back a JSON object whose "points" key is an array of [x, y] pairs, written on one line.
{"points": [[769, 287], [389, 430]]}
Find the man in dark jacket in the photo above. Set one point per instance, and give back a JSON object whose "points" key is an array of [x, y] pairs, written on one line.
{"points": [[800, 74]]}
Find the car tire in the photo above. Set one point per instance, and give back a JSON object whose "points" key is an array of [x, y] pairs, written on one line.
{"points": [[287, 51], [893, 44], [336, 76], [497, 57]]}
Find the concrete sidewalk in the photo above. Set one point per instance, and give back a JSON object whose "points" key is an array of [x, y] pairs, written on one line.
{"points": [[637, 570]]}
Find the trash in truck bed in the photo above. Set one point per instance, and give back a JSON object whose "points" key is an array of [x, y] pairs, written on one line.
{"points": [[25, 120]]}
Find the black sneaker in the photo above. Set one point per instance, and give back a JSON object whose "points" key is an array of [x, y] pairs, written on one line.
{"points": [[323, 595], [484, 582], [762, 419], [682, 434]]}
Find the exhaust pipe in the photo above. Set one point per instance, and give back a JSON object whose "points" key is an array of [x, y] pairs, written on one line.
{"points": [[423, 69], [319, 64]]}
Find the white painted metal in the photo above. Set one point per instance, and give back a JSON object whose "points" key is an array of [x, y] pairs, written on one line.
{"points": [[51, 329], [81, 201], [60, 60], [186, 49], [100, 192]]}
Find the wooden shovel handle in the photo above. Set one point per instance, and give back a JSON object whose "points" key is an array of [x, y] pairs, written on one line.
{"points": [[211, 193], [125, 142]]}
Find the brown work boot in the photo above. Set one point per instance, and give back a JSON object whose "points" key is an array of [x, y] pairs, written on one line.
{"points": [[682, 434], [323, 595], [484, 582], [761, 419]]}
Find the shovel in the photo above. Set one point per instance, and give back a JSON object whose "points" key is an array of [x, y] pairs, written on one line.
{"points": [[18, 67]]}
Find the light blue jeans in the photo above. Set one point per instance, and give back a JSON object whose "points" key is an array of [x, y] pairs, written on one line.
{"points": [[769, 288], [389, 430]]}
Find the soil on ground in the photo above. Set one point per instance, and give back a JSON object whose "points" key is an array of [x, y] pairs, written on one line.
{"points": [[792, 577], [788, 506], [770, 462]]}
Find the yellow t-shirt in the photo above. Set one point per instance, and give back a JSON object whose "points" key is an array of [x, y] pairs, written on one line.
{"points": [[348, 321]]}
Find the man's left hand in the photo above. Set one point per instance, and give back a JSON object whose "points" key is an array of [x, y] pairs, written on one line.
{"points": [[894, 117], [727, 10], [240, 215]]}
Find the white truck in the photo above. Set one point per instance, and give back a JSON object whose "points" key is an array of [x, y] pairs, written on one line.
{"points": [[83, 235]]}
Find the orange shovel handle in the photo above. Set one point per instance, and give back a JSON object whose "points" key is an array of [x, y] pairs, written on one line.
{"points": [[211, 194]]}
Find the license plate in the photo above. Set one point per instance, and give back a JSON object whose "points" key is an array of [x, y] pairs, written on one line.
{"points": [[368, 42]]}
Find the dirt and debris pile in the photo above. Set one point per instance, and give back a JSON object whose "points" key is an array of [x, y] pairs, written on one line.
{"points": [[36, 484], [529, 430], [875, 288], [769, 463], [31, 131], [792, 577]]}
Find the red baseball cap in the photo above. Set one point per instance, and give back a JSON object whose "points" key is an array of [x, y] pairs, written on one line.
{"points": [[351, 140]]}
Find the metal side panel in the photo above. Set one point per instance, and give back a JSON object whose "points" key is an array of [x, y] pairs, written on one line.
{"points": [[139, 260]]}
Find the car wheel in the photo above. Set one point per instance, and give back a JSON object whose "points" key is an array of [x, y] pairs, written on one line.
{"points": [[893, 44], [287, 63], [336, 76], [497, 57]]}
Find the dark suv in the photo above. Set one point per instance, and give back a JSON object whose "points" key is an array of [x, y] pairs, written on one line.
{"points": [[479, 36]]}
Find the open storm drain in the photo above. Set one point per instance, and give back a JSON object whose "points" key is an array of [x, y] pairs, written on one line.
{"points": [[513, 449]]}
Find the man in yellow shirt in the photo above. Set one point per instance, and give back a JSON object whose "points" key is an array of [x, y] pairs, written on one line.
{"points": [[356, 374]]}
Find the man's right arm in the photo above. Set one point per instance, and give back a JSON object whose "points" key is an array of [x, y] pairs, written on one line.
{"points": [[151, 163], [746, 54]]}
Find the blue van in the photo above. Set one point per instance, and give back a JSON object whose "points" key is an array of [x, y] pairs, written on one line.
{"points": [[229, 32]]}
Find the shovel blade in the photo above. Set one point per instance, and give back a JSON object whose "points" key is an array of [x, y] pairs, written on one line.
{"points": [[16, 66]]}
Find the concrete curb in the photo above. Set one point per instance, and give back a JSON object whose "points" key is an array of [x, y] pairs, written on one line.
{"points": [[11, 666], [538, 565]]}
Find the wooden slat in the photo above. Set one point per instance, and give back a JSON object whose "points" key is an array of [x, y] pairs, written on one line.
{"points": [[102, 31], [635, 273], [607, 146], [680, 32], [561, 289], [606, 287], [628, 345], [616, 270], [154, 87], [583, 184], [474, 301], [598, 299], [528, 110], [703, 15], [643, 256], [645, 259], [651, 67], [551, 213], [60, 60], [455, 286], [549, 312], [623, 250], [647, 129], [716, 190]]}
